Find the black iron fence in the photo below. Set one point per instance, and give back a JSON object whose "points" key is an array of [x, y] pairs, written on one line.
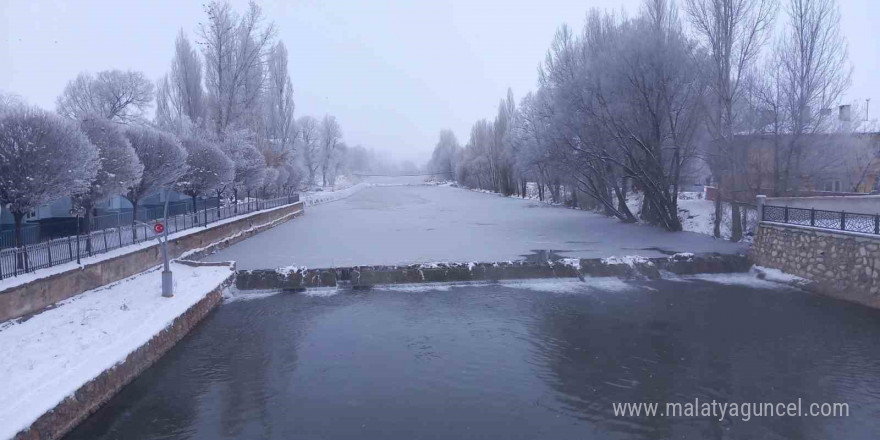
{"points": [[818, 218], [123, 232]]}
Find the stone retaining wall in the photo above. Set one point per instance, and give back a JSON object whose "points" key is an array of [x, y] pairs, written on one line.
{"points": [[366, 276], [840, 264], [89, 397], [38, 294]]}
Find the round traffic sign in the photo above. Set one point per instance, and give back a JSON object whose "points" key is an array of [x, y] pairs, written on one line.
{"points": [[159, 228]]}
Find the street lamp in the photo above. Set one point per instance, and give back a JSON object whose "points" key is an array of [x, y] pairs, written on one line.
{"points": [[167, 281]]}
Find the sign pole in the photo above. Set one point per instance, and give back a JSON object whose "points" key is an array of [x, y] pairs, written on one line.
{"points": [[167, 280]]}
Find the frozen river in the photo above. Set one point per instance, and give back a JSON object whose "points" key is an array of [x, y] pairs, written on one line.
{"points": [[419, 224]]}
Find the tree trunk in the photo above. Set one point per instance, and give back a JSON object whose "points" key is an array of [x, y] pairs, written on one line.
{"points": [[22, 259], [134, 210], [719, 213], [86, 225], [195, 209], [736, 230]]}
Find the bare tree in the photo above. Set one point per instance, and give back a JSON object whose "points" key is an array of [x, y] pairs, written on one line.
{"points": [[279, 122], [331, 136], [42, 158], [113, 94], [733, 33], [309, 133], [179, 95], [235, 50], [119, 167], [164, 161], [814, 74]]}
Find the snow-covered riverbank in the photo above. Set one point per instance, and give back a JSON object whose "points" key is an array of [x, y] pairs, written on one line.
{"points": [[48, 357]]}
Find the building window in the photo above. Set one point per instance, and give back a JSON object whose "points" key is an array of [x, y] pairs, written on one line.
{"points": [[832, 185]]}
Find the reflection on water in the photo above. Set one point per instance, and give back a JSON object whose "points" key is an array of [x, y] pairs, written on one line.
{"points": [[515, 361]]}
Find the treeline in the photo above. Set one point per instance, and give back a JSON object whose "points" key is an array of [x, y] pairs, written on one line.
{"points": [[224, 127], [644, 102]]}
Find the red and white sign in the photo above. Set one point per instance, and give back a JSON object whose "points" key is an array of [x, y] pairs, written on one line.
{"points": [[159, 228]]}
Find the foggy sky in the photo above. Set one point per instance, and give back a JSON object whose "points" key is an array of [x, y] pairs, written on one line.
{"points": [[393, 72]]}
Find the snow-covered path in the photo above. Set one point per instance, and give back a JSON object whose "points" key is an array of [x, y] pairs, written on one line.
{"points": [[419, 224], [48, 357]]}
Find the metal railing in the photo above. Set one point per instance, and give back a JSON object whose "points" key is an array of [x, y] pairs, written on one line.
{"points": [[31, 257], [819, 218]]}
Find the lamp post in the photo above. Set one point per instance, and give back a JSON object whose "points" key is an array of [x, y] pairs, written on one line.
{"points": [[167, 281]]}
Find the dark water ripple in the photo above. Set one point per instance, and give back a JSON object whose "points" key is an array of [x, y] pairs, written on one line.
{"points": [[507, 362]]}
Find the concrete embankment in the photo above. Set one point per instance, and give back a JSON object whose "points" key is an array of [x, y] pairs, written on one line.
{"points": [[365, 276], [73, 358], [33, 292]]}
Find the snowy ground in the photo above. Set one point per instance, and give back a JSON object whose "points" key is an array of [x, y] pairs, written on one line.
{"points": [[47, 357], [421, 224], [698, 214]]}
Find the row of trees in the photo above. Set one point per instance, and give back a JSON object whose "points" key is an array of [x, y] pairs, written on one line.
{"points": [[224, 124], [646, 101]]}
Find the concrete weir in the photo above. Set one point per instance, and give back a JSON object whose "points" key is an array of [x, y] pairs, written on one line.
{"points": [[359, 277]]}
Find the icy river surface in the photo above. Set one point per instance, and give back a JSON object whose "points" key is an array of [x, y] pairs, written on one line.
{"points": [[525, 360]]}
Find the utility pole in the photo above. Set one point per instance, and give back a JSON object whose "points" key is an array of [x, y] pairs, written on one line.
{"points": [[167, 280], [867, 109]]}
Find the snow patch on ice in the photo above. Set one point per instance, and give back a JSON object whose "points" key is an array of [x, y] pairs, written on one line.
{"points": [[287, 270], [629, 260], [570, 262]]}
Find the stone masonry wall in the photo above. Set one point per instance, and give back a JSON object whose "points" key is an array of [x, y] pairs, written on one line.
{"points": [[38, 294], [839, 264]]}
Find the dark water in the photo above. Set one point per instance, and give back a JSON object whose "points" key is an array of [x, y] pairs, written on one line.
{"points": [[507, 362]]}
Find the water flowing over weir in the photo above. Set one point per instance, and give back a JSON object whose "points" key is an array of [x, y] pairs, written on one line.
{"points": [[297, 278]]}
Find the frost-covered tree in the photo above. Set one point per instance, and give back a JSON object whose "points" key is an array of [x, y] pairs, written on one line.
{"points": [[279, 123], [235, 51], [445, 155], [179, 95], [309, 148], [270, 181], [121, 96], [207, 169], [330, 138], [164, 161], [119, 167], [291, 177], [42, 158], [250, 166]]}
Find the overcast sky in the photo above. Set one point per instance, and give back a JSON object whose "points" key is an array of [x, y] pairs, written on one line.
{"points": [[393, 72]]}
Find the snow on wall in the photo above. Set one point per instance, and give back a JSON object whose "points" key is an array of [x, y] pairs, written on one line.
{"points": [[49, 356]]}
